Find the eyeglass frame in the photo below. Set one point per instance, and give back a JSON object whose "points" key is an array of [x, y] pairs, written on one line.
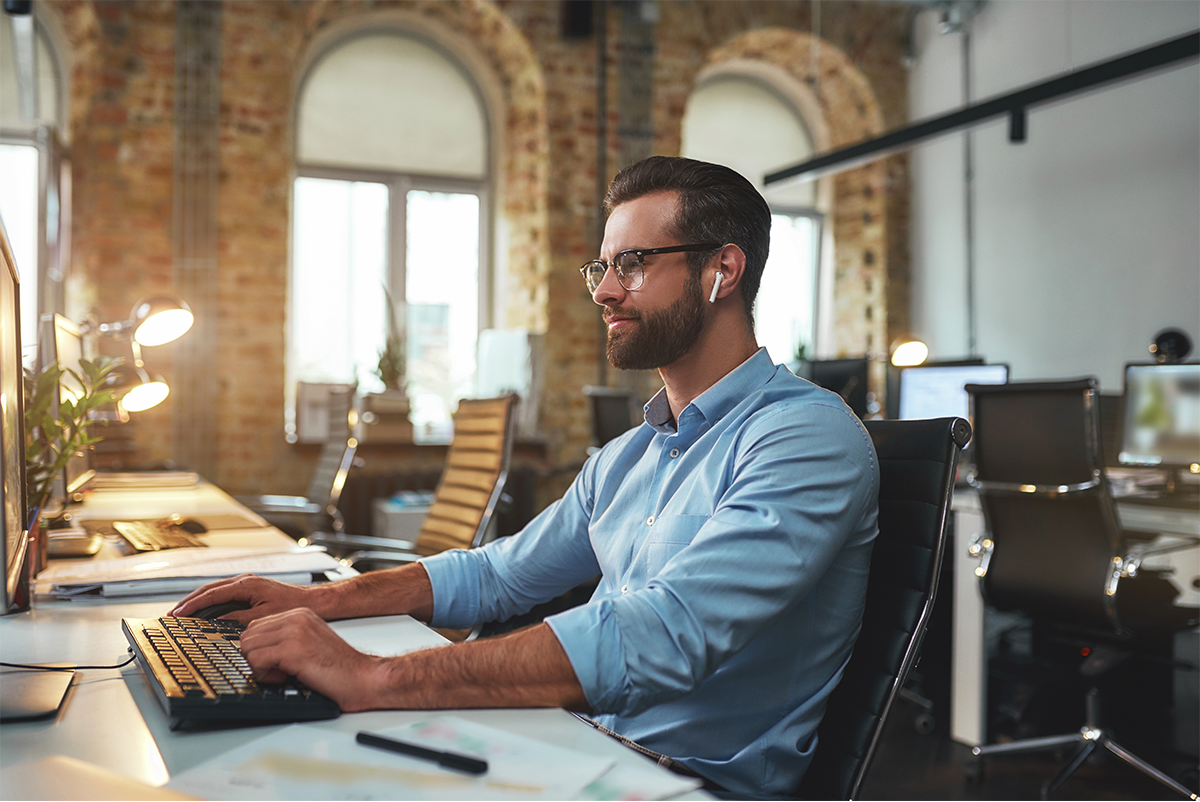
{"points": [[639, 253]]}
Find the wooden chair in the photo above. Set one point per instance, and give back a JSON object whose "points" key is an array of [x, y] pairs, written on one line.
{"points": [[466, 497]]}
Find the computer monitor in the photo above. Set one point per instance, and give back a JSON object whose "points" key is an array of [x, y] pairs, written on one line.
{"points": [[62, 343], [935, 390], [13, 511], [1162, 416], [611, 412], [846, 377]]}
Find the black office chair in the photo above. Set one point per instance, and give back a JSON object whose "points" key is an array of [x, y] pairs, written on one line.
{"points": [[1054, 549], [917, 460], [317, 510]]}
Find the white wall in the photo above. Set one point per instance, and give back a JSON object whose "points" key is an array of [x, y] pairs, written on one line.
{"points": [[1087, 236]]}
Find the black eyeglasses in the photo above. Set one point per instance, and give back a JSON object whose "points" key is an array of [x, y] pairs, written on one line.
{"points": [[629, 265]]}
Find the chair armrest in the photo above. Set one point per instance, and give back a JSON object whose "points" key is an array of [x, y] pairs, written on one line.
{"points": [[396, 557], [981, 547], [356, 543]]}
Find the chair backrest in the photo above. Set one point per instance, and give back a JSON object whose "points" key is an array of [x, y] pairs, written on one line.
{"points": [[476, 469], [1051, 522], [333, 465], [917, 460]]}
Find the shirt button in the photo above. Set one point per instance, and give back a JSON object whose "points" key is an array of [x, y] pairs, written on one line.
{"points": [[650, 521], [674, 453], [624, 588]]}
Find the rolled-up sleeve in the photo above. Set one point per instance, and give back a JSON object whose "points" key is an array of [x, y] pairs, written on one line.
{"points": [[511, 575]]}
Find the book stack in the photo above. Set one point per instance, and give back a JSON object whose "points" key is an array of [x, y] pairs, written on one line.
{"points": [[385, 418]]}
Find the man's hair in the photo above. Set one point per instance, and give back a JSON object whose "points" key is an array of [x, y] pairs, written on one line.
{"points": [[716, 204]]}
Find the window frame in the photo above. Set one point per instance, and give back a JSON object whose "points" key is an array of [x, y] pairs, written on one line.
{"points": [[398, 184], [818, 220]]}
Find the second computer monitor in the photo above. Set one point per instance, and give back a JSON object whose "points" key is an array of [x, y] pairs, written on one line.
{"points": [[1162, 416], [936, 391], [846, 377]]}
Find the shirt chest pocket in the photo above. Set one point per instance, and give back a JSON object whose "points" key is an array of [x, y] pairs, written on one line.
{"points": [[669, 535]]}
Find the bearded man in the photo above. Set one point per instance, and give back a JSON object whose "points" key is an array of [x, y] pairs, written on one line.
{"points": [[732, 531]]}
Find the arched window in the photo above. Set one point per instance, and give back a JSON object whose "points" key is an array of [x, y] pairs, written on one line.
{"points": [[31, 166], [743, 123], [390, 202]]}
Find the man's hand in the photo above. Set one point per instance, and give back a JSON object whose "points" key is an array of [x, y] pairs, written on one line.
{"points": [[265, 597], [397, 591], [298, 643]]}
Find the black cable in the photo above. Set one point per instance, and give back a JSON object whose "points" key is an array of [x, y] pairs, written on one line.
{"points": [[66, 668]]}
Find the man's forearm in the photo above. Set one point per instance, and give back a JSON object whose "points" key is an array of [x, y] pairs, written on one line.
{"points": [[527, 668], [396, 591]]}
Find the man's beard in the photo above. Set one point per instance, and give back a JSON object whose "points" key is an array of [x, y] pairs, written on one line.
{"points": [[661, 337]]}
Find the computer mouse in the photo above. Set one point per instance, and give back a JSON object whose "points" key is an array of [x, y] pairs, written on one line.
{"points": [[190, 525], [219, 609]]}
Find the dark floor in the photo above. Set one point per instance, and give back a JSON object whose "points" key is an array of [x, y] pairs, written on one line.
{"points": [[909, 765]]}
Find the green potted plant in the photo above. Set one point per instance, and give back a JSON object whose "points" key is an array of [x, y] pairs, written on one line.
{"points": [[390, 369], [53, 436]]}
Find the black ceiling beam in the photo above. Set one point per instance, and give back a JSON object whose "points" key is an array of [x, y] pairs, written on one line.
{"points": [[1013, 105]]}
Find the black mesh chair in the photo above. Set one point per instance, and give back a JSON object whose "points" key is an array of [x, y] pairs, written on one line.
{"points": [[917, 460], [1054, 549]]}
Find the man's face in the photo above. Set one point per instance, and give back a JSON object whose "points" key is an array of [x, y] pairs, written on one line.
{"points": [[658, 323]]}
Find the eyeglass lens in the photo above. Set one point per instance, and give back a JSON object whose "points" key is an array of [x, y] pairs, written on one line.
{"points": [[628, 267]]}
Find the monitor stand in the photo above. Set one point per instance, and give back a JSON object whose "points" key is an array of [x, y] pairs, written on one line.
{"points": [[27, 694]]}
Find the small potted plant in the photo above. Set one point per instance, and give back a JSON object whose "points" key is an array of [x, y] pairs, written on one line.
{"points": [[53, 436]]}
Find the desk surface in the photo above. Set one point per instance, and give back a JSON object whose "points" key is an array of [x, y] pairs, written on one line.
{"points": [[112, 719]]}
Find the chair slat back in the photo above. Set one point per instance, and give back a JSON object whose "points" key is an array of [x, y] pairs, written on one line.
{"points": [[477, 467]]}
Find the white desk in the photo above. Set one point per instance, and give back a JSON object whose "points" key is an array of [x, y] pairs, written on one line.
{"points": [[111, 717], [968, 661]]}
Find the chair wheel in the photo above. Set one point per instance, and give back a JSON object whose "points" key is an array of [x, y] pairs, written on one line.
{"points": [[924, 723]]}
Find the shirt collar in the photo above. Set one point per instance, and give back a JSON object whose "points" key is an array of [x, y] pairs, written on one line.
{"points": [[717, 400]]}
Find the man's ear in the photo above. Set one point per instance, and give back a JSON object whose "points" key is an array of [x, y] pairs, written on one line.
{"points": [[731, 266]]}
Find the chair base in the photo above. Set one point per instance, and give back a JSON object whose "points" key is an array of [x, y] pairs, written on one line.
{"points": [[1087, 739]]}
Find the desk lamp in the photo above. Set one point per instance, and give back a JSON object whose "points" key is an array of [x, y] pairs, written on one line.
{"points": [[152, 321], [907, 351]]}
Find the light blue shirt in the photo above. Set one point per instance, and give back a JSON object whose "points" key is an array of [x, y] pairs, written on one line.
{"points": [[733, 556]]}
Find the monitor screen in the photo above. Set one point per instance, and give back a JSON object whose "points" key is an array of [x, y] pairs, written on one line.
{"points": [[1162, 416], [611, 412], [68, 350], [846, 377], [936, 391], [12, 428]]}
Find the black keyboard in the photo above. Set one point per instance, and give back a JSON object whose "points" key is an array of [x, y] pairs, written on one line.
{"points": [[152, 536], [199, 674]]}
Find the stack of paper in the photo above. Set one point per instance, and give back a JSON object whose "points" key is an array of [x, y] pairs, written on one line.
{"points": [[177, 571]]}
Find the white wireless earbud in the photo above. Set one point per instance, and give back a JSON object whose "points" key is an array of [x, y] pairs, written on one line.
{"points": [[712, 298]]}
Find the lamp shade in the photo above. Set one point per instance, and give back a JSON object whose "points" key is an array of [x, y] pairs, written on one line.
{"points": [[160, 319], [908, 351], [135, 389]]}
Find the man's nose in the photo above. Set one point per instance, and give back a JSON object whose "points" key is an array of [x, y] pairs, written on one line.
{"points": [[609, 288]]}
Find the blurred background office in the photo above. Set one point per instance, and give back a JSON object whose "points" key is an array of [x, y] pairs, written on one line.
{"points": [[333, 185]]}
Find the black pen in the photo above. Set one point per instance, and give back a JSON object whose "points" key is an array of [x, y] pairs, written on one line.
{"points": [[450, 760]]}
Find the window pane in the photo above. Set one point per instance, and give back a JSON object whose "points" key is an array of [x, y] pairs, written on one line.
{"points": [[339, 270], [787, 296], [442, 293], [18, 208]]}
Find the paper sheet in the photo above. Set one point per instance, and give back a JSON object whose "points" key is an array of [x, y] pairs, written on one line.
{"points": [[305, 762], [178, 570]]}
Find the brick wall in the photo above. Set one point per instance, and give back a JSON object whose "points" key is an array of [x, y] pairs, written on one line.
{"points": [[122, 68]]}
